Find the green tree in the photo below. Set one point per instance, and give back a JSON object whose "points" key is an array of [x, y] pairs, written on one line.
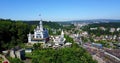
{"points": [[37, 46], [74, 54]]}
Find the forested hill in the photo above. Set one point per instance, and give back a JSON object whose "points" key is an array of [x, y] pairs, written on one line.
{"points": [[102, 28], [106, 25], [14, 33], [110, 24], [47, 24]]}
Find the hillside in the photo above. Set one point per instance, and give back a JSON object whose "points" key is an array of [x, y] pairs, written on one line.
{"points": [[47, 24], [14, 33]]}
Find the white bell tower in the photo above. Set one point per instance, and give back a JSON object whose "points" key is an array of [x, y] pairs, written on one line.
{"points": [[40, 25], [29, 37], [62, 34], [41, 28]]}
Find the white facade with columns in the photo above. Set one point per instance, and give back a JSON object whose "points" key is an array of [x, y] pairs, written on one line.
{"points": [[40, 35]]}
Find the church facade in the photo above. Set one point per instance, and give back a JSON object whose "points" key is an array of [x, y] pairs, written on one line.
{"points": [[59, 40], [40, 35]]}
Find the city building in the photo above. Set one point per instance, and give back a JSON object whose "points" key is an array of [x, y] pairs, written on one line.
{"points": [[112, 29], [40, 35], [17, 53]]}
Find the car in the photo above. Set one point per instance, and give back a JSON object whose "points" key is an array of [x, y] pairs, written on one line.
{"points": [[5, 61]]}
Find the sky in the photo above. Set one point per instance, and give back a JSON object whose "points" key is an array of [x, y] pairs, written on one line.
{"points": [[59, 10]]}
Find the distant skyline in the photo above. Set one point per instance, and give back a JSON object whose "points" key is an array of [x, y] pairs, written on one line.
{"points": [[59, 10]]}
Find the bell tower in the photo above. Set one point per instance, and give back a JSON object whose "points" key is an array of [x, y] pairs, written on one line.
{"points": [[40, 25], [62, 34]]}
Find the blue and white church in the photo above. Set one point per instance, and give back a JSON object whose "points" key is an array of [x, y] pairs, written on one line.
{"points": [[40, 35]]}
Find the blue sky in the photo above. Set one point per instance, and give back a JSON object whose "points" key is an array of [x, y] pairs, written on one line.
{"points": [[59, 10]]}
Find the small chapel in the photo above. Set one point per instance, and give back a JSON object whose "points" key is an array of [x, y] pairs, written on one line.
{"points": [[59, 40]]}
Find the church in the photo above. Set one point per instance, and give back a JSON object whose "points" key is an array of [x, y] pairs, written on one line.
{"points": [[40, 35], [59, 40]]}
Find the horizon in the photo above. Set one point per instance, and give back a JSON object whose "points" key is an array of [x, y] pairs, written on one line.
{"points": [[59, 10], [66, 20]]}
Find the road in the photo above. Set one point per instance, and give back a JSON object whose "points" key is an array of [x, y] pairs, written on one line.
{"points": [[101, 50], [95, 57], [112, 56]]}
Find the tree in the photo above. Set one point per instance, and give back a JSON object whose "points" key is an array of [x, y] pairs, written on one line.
{"points": [[63, 55], [37, 46], [15, 60], [12, 33]]}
